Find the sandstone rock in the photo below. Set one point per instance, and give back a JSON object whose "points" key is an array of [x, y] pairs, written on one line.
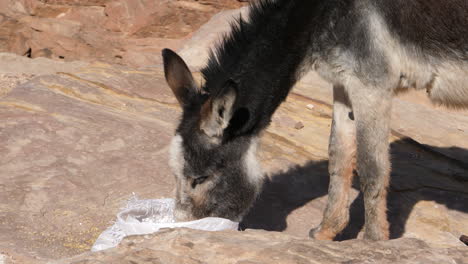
{"points": [[77, 2], [14, 36], [76, 145], [66, 28], [9, 81], [147, 51], [190, 246], [124, 15], [431, 222], [101, 30], [162, 18], [12, 7], [63, 156], [88, 15], [442, 132], [299, 125], [14, 64], [195, 52], [31, 5], [16, 70]]}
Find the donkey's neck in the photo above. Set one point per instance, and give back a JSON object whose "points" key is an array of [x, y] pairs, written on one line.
{"points": [[265, 55]]}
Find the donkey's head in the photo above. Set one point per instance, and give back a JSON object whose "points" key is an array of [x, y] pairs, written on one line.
{"points": [[216, 170]]}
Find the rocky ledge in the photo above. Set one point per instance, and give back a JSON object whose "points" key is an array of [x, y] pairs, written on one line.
{"points": [[256, 247]]}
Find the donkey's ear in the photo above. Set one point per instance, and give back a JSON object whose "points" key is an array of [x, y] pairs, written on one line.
{"points": [[179, 77], [217, 112]]}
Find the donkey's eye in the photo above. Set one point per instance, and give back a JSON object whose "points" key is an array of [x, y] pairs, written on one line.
{"points": [[199, 180]]}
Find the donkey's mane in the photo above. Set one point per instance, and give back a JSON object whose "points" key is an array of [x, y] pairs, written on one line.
{"points": [[261, 56], [235, 44]]}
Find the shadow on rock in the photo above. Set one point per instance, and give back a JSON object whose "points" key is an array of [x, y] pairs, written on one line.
{"points": [[286, 191], [419, 173]]}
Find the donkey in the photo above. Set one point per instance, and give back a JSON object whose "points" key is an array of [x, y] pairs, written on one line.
{"points": [[368, 49]]}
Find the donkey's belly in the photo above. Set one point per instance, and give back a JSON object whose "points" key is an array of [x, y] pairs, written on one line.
{"points": [[450, 85], [446, 83]]}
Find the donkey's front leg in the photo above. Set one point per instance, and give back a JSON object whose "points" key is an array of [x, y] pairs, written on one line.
{"points": [[341, 150], [372, 111]]}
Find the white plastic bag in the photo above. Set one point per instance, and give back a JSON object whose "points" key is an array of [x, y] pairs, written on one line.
{"points": [[148, 216]]}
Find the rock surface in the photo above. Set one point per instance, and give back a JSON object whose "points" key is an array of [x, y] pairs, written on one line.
{"points": [[72, 147], [255, 247], [13, 64], [77, 144], [130, 32]]}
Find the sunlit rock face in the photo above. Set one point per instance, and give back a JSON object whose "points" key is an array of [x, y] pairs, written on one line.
{"points": [[79, 138], [191, 246]]}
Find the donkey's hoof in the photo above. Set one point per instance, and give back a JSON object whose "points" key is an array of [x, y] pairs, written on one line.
{"points": [[321, 234]]}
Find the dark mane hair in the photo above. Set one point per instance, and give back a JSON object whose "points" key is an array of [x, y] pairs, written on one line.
{"points": [[236, 43], [276, 32]]}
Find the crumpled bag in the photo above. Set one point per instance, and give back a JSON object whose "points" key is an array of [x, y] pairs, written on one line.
{"points": [[148, 216]]}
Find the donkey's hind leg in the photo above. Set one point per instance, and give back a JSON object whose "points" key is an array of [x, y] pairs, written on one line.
{"points": [[341, 150], [372, 111]]}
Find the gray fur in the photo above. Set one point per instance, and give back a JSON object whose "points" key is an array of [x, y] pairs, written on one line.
{"points": [[368, 49]]}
